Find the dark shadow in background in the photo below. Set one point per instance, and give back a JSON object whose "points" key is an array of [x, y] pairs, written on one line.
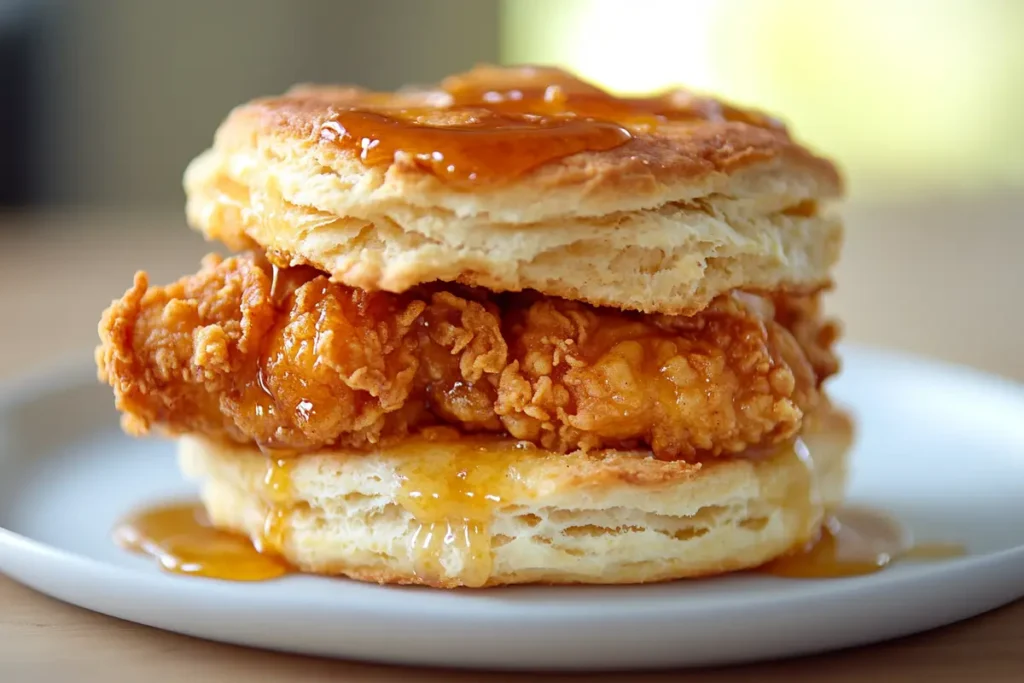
{"points": [[22, 23], [104, 102]]}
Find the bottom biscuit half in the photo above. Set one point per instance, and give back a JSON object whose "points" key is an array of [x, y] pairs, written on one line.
{"points": [[476, 512]]}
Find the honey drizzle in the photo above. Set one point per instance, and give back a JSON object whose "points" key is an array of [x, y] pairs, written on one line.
{"points": [[279, 498], [549, 92], [489, 144], [452, 495], [258, 395], [494, 124], [284, 280], [800, 497]]}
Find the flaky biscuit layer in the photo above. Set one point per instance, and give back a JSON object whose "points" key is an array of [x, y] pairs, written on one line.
{"points": [[609, 517], [678, 215]]}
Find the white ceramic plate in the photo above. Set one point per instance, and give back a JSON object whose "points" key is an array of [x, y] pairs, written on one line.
{"points": [[940, 447]]}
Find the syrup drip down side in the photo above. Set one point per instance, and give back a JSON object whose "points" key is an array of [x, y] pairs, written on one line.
{"points": [[452, 497]]}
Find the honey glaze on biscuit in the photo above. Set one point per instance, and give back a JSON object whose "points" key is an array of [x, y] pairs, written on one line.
{"points": [[492, 125], [452, 490], [557, 93], [279, 497], [486, 145], [452, 485]]}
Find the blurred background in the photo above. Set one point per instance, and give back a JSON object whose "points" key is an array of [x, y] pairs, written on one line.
{"points": [[105, 101]]}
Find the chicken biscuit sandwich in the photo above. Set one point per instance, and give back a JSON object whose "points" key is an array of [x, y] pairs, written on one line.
{"points": [[510, 329]]}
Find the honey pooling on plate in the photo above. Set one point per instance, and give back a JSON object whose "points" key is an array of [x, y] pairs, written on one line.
{"points": [[855, 542], [180, 537], [850, 543]]}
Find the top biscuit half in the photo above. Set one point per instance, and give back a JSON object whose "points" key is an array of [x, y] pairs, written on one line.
{"points": [[523, 178]]}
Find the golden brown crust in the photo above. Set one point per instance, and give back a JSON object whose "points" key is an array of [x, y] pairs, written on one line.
{"points": [[678, 214], [653, 157]]}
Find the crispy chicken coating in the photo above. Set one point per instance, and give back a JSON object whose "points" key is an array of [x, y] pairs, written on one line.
{"points": [[289, 360], [712, 383]]}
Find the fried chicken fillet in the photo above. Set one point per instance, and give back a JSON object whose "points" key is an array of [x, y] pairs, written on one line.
{"points": [[287, 359]]}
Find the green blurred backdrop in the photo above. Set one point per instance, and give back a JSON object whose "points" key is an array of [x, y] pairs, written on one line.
{"points": [[914, 97]]}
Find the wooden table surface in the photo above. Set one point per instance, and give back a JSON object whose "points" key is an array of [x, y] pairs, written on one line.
{"points": [[938, 280]]}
